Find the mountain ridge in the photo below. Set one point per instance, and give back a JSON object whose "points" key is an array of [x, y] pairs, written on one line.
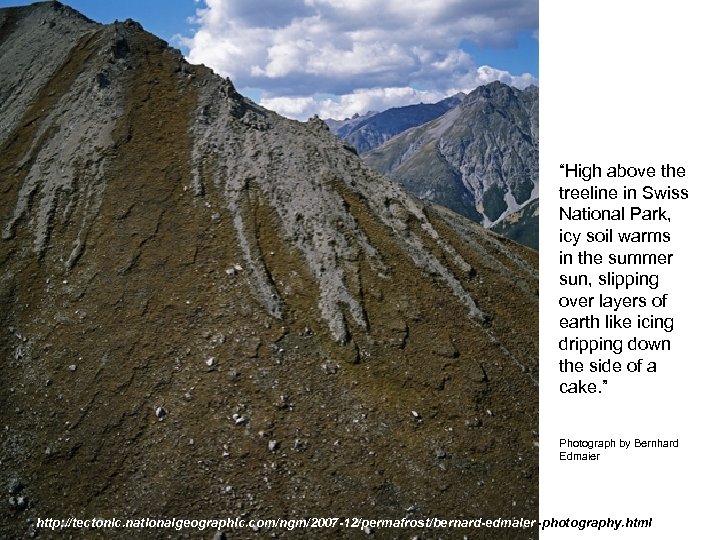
{"points": [[214, 307], [373, 129]]}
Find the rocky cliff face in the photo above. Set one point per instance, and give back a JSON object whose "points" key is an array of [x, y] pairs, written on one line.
{"points": [[368, 132], [211, 310], [479, 159]]}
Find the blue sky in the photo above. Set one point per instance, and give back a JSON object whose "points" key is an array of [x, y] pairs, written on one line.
{"points": [[339, 57]]}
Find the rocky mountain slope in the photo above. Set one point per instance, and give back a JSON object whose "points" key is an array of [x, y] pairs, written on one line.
{"points": [[373, 129], [479, 159], [210, 310]]}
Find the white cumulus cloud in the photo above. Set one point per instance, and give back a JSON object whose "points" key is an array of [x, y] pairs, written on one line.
{"points": [[359, 101], [366, 54]]}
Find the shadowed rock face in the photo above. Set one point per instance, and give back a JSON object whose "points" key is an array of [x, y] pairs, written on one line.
{"points": [[211, 310]]}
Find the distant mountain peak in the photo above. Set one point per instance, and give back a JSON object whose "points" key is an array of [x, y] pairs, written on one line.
{"points": [[479, 159], [375, 128]]}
